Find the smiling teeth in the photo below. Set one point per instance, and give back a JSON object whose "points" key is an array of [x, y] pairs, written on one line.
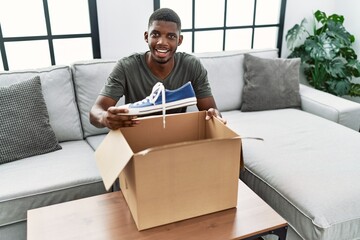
{"points": [[162, 51]]}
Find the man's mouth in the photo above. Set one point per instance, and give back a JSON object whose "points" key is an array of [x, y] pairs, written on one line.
{"points": [[162, 52]]}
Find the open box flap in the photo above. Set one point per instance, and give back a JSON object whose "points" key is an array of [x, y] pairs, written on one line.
{"points": [[181, 144], [109, 164], [215, 131]]}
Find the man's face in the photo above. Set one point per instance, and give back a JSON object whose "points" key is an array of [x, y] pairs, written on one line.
{"points": [[163, 39]]}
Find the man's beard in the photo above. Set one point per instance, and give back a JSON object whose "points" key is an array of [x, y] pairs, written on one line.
{"points": [[163, 62]]}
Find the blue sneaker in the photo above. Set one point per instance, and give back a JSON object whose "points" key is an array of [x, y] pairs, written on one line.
{"points": [[162, 99]]}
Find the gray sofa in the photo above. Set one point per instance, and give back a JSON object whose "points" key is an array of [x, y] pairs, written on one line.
{"points": [[58, 176], [305, 168]]}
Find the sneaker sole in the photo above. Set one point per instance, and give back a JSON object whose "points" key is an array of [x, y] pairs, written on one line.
{"points": [[158, 108]]}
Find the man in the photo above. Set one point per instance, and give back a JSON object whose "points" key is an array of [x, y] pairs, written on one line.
{"points": [[134, 76]]}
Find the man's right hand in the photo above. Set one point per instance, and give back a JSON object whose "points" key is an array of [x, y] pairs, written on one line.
{"points": [[105, 114], [113, 119]]}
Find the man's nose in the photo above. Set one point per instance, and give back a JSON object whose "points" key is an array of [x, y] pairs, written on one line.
{"points": [[162, 40]]}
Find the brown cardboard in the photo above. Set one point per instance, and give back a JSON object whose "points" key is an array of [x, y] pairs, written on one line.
{"points": [[188, 169]]}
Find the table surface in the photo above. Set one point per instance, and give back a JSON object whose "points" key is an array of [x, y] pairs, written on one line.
{"points": [[108, 217]]}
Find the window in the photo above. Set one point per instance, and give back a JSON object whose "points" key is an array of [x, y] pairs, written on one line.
{"points": [[1, 63], [220, 25], [39, 33]]}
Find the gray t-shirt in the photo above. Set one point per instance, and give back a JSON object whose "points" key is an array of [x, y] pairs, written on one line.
{"points": [[132, 78]]}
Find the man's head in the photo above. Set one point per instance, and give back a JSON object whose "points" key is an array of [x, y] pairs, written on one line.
{"points": [[163, 35], [167, 15]]}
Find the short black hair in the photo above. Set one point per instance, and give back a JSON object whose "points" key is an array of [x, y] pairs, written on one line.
{"points": [[165, 14]]}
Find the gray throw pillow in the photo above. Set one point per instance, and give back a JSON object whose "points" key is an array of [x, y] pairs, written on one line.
{"points": [[270, 83], [24, 122]]}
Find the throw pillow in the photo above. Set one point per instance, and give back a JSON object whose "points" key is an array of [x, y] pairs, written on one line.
{"points": [[270, 83], [25, 129]]}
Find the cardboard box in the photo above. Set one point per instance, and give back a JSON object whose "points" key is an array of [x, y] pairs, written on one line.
{"points": [[188, 169]]}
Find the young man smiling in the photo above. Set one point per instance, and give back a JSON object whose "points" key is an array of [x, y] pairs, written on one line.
{"points": [[134, 76]]}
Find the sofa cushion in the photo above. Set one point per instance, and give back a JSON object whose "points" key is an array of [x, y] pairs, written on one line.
{"points": [[301, 158], [14, 231], [89, 78], [58, 91], [25, 130], [48, 179], [225, 74], [270, 83], [331, 107], [95, 141]]}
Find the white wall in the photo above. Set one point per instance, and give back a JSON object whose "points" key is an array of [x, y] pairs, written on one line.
{"points": [[122, 24]]}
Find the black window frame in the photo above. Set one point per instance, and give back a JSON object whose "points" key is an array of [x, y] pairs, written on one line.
{"points": [[192, 30], [94, 35]]}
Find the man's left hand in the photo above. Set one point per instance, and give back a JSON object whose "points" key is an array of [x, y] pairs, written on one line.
{"points": [[212, 112]]}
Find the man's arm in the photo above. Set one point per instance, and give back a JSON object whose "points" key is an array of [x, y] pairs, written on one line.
{"points": [[105, 114], [208, 104]]}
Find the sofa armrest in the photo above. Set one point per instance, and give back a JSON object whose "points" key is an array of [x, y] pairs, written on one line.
{"points": [[337, 109]]}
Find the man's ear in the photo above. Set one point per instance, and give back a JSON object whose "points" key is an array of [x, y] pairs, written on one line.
{"points": [[146, 35], [180, 39]]}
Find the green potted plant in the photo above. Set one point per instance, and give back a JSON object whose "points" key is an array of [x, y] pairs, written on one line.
{"points": [[327, 57]]}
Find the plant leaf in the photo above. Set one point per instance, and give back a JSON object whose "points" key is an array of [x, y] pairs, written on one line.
{"points": [[354, 67], [320, 16], [337, 18], [336, 67], [354, 90], [348, 53], [295, 35], [337, 31], [339, 88], [299, 52], [321, 47]]}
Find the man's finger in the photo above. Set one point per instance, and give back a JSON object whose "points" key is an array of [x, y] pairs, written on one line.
{"points": [[116, 110]]}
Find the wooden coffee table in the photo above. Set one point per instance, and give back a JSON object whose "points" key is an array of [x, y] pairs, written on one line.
{"points": [[107, 217]]}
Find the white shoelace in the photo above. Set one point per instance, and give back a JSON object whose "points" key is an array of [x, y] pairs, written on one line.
{"points": [[155, 93]]}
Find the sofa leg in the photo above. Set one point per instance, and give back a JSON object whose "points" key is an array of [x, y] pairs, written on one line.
{"points": [[278, 234], [281, 233], [116, 186]]}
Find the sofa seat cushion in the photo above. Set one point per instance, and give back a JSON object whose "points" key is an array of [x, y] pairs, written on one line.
{"points": [[94, 141], [301, 157], [59, 95], [51, 178]]}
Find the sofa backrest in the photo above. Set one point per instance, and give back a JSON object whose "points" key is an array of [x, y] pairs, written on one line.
{"points": [[89, 78], [225, 73], [58, 91]]}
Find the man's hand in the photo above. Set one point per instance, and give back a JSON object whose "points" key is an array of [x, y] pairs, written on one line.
{"points": [[113, 119], [212, 112], [105, 114], [209, 105]]}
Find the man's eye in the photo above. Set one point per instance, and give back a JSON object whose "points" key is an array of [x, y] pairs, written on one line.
{"points": [[154, 35], [172, 36]]}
